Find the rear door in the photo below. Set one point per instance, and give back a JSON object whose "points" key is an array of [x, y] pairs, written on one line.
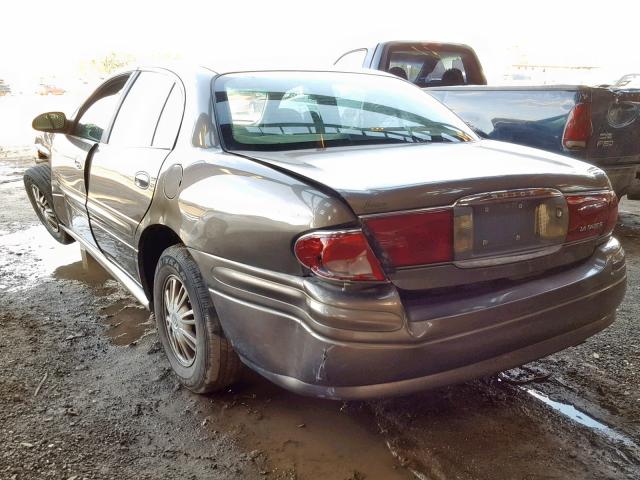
{"points": [[71, 153], [125, 169]]}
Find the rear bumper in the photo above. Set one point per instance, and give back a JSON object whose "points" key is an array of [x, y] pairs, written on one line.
{"points": [[286, 330], [438, 379]]}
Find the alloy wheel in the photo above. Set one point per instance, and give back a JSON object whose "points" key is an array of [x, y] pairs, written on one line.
{"points": [[179, 321], [45, 209]]}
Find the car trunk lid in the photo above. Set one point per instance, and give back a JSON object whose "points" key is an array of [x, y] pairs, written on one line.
{"points": [[377, 179], [456, 207]]}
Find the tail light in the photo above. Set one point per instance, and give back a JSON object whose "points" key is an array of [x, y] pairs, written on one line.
{"points": [[414, 238], [578, 128], [442, 235], [339, 256], [591, 215]]}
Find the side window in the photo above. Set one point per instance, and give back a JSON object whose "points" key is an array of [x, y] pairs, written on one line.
{"points": [[170, 119], [96, 117], [138, 116], [352, 60]]}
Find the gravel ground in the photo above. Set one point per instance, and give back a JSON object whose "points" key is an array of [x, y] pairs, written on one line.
{"points": [[87, 393]]}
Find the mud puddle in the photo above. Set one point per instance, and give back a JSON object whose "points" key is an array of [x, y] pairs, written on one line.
{"points": [[127, 323], [291, 436], [94, 276], [572, 405], [10, 174], [582, 418], [44, 256], [480, 428], [11, 167]]}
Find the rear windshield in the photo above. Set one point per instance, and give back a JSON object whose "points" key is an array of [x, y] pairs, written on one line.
{"points": [[434, 66], [297, 110]]}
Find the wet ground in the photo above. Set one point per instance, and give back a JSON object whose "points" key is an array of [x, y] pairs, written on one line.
{"points": [[86, 392]]}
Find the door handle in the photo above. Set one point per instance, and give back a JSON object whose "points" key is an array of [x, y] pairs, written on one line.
{"points": [[142, 180]]}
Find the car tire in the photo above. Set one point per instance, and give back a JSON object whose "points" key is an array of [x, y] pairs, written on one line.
{"points": [[188, 326], [37, 183]]}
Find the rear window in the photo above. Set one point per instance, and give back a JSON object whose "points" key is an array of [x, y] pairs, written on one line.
{"points": [[431, 66], [295, 110]]}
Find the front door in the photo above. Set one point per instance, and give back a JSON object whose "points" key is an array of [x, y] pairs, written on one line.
{"points": [[71, 154], [125, 168]]}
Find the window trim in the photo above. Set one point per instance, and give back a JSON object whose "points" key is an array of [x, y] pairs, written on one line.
{"points": [[176, 81], [96, 95], [164, 105], [362, 49]]}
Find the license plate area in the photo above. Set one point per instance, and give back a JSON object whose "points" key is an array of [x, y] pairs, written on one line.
{"points": [[506, 225]]}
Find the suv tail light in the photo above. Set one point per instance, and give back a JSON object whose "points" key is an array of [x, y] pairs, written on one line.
{"points": [[339, 256], [591, 215], [578, 128], [414, 238]]}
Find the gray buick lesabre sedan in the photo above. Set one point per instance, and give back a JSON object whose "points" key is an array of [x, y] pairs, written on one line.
{"points": [[343, 234]]}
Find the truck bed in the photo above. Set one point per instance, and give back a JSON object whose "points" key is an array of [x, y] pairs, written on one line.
{"points": [[537, 116]]}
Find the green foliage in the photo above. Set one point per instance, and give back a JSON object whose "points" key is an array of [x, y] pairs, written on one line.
{"points": [[111, 62]]}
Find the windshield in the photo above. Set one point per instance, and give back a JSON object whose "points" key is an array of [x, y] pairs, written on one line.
{"points": [[297, 110]]}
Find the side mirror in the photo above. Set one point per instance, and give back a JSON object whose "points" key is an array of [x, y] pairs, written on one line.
{"points": [[50, 122]]}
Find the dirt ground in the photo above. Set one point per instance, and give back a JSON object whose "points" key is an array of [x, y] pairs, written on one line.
{"points": [[86, 392]]}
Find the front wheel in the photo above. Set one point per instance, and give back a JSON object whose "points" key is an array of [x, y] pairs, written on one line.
{"points": [[189, 329], [37, 183]]}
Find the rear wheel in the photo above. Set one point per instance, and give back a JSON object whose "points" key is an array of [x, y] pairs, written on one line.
{"points": [[189, 329], [37, 183]]}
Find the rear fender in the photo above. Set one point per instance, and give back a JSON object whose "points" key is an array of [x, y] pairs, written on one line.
{"points": [[237, 209]]}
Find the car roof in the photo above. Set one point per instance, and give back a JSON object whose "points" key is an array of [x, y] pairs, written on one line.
{"points": [[426, 42], [185, 70], [364, 71]]}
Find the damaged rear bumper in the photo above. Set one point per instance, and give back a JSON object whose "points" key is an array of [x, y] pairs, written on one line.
{"points": [[368, 342]]}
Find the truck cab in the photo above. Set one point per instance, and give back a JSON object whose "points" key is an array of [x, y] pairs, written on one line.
{"points": [[426, 64]]}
